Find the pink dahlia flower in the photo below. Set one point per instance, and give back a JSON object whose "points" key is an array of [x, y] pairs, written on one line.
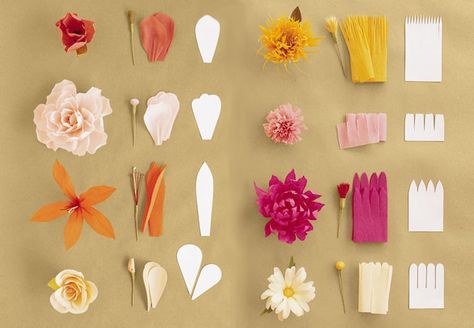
{"points": [[284, 124], [289, 207]]}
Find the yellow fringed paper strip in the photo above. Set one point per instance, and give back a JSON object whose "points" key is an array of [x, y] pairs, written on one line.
{"points": [[366, 40]]}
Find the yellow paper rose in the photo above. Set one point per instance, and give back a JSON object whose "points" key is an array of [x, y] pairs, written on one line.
{"points": [[72, 293]]}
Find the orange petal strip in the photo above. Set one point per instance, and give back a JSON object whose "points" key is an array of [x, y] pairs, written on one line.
{"points": [[63, 180], [51, 211], [73, 228], [155, 225], [98, 222], [96, 195], [154, 179]]}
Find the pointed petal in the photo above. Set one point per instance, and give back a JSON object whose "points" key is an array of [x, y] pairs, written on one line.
{"points": [[63, 180], [51, 211], [73, 229], [98, 222], [95, 195]]}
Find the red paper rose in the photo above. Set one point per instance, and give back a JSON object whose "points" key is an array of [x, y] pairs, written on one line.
{"points": [[76, 32]]}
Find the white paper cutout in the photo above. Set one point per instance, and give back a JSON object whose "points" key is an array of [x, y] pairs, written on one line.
{"points": [[204, 198], [420, 127], [207, 36], [210, 275], [207, 109], [374, 287], [160, 116], [423, 49], [189, 259], [425, 207], [426, 286], [155, 278]]}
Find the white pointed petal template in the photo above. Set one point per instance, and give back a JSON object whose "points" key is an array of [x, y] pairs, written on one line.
{"points": [[204, 198], [207, 35], [425, 207], [207, 109], [160, 116], [210, 275], [157, 279], [189, 260]]}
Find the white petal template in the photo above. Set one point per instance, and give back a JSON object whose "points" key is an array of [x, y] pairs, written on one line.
{"points": [[207, 109], [426, 286], [204, 198], [207, 36], [210, 275], [189, 260]]}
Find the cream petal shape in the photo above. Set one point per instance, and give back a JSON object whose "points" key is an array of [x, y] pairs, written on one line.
{"points": [[207, 36], [160, 116], [204, 198], [189, 258], [207, 109], [155, 278], [210, 275]]}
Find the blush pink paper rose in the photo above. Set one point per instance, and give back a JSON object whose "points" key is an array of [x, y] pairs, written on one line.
{"points": [[72, 121], [289, 207], [284, 124]]}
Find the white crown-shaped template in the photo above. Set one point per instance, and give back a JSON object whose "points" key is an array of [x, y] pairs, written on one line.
{"points": [[426, 286], [426, 207], [207, 109], [420, 127], [207, 36], [204, 198]]}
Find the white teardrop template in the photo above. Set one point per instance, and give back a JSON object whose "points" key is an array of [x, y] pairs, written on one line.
{"points": [[160, 115], [204, 199], [155, 278], [189, 260], [210, 275], [207, 110], [207, 36]]}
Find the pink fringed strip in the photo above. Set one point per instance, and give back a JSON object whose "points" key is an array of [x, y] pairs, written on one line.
{"points": [[156, 34], [362, 129], [369, 208]]}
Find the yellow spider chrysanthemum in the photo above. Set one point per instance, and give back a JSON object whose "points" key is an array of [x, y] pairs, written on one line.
{"points": [[286, 40]]}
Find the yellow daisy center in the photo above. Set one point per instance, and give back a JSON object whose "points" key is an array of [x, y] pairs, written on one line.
{"points": [[288, 292]]}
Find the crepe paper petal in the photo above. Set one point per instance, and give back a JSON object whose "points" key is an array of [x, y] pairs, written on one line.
{"points": [[189, 258], [98, 222], [96, 195], [155, 278], [63, 180], [362, 129], [210, 275], [73, 229], [156, 34], [207, 109], [204, 198], [51, 211], [160, 116], [155, 189], [207, 36]]}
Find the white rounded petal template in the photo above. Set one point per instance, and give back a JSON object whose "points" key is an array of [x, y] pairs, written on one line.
{"points": [[207, 36], [207, 109], [189, 258]]}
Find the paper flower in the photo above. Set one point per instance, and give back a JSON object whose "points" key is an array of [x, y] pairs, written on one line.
{"points": [[72, 293], [342, 190], [79, 208], [289, 207], [160, 115], [286, 40], [156, 35], [284, 124], [72, 121], [76, 32], [288, 293]]}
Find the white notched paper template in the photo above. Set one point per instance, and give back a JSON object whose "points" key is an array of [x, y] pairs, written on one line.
{"points": [[206, 109], [204, 199], [155, 278], [426, 207], [375, 280], [421, 127], [189, 259], [207, 36], [423, 49], [426, 286]]}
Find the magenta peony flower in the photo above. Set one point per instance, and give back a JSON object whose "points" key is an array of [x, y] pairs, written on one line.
{"points": [[284, 124], [289, 207]]}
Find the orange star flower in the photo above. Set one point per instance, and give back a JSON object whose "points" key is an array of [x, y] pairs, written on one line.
{"points": [[80, 208]]}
